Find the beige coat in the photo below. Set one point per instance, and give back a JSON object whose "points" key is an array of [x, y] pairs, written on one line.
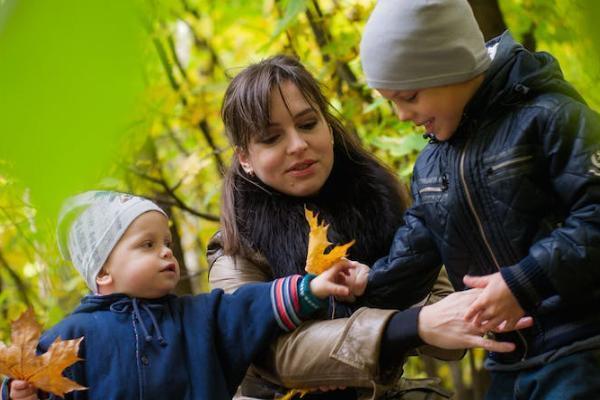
{"points": [[339, 352]]}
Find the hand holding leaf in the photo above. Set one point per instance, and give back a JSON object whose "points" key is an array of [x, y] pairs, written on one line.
{"points": [[20, 361]]}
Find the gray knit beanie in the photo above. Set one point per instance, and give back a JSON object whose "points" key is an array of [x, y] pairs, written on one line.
{"points": [[416, 44], [90, 225]]}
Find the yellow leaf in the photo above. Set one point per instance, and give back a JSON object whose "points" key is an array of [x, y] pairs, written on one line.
{"points": [[20, 361], [293, 392], [316, 259]]}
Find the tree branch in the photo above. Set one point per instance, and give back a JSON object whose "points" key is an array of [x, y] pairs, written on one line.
{"points": [[176, 200], [22, 288]]}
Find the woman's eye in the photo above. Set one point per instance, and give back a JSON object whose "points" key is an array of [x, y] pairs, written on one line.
{"points": [[168, 243], [269, 139], [308, 125], [147, 244]]}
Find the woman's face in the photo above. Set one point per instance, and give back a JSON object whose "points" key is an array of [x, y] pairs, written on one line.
{"points": [[295, 156]]}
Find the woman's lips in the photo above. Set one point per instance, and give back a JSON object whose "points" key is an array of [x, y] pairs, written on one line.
{"points": [[302, 168]]}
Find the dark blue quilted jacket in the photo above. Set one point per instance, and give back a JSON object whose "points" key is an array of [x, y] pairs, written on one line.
{"points": [[516, 189]]}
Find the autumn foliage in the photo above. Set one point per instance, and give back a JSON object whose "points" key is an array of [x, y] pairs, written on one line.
{"points": [[20, 361], [317, 260]]}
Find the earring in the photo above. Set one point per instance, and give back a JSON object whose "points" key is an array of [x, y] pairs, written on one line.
{"points": [[248, 170], [331, 133]]}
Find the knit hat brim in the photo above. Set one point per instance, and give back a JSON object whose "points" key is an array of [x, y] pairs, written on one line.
{"points": [[417, 44], [92, 223]]}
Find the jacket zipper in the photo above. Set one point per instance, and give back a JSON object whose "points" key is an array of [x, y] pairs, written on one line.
{"points": [[478, 220], [504, 164], [432, 189]]}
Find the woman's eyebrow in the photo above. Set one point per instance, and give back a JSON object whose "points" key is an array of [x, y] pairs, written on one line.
{"points": [[304, 112], [296, 116]]}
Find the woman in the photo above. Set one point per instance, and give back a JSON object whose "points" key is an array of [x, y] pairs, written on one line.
{"points": [[292, 152]]}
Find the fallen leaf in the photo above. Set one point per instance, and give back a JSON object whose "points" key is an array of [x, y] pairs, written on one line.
{"points": [[20, 361], [293, 392], [316, 259]]}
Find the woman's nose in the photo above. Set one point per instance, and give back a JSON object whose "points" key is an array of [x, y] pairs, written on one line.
{"points": [[297, 142]]}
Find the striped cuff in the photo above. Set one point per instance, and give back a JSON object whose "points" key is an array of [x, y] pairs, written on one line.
{"points": [[528, 282], [285, 302], [309, 303]]}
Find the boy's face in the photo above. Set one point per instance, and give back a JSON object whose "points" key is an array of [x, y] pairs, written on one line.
{"points": [[142, 262], [438, 109]]}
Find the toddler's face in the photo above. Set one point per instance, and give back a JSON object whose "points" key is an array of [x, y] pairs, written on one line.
{"points": [[142, 262], [438, 109]]}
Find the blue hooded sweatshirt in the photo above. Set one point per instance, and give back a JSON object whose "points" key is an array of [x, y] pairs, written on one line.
{"points": [[191, 347]]}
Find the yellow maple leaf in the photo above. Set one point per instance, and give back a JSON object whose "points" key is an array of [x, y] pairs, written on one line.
{"points": [[316, 259], [20, 361], [293, 392]]}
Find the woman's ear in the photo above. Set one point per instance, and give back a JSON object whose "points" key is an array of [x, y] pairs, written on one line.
{"points": [[244, 161]]}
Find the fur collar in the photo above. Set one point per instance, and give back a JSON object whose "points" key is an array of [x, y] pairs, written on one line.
{"points": [[359, 201]]}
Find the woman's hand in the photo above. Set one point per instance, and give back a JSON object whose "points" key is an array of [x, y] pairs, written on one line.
{"points": [[443, 324], [21, 390]]}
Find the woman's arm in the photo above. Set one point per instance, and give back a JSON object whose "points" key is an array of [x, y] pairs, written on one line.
{"points": [[341, 352]]}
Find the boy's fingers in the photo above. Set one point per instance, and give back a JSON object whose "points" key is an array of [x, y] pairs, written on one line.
{"points": [[524, 322], [472, 312], [491, 323], [508, 325], [490, 345], [475, 281]]}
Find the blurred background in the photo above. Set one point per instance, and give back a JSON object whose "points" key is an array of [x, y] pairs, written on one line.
{"points": [[125, 95]]}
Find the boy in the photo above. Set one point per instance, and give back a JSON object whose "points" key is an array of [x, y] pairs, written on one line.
{"points": [[508, 190], [141, 342]]}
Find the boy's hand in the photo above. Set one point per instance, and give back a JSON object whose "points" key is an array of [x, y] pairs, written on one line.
{"points": [[496, 308], [21, 390], [356, 280], [343, 280], [443, 324]]}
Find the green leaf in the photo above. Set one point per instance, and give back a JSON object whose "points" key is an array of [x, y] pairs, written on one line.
{"points": [[400, 146], [292, 10]]}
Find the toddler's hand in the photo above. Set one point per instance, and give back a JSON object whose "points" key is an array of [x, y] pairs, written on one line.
{"points": [[496, 308], [21, 390], [343, 280]]}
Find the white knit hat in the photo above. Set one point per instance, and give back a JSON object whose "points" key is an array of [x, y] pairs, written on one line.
{"points": [[417, 44], [90, 225]]}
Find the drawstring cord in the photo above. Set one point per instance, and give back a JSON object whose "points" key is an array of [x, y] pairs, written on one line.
{"points": [[127, 304]]}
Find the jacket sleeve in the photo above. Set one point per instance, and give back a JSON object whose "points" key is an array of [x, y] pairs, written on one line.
{"points": [[344, 351], [567, 261], [407, 274], [241, 325]]}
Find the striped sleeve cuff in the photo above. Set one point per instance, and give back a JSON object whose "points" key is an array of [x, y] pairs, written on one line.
{"points": [[5, 392], [528, 282], [285, 302]]}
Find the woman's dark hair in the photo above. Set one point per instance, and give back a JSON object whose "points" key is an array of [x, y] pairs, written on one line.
{"points": [[246, 114]]}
